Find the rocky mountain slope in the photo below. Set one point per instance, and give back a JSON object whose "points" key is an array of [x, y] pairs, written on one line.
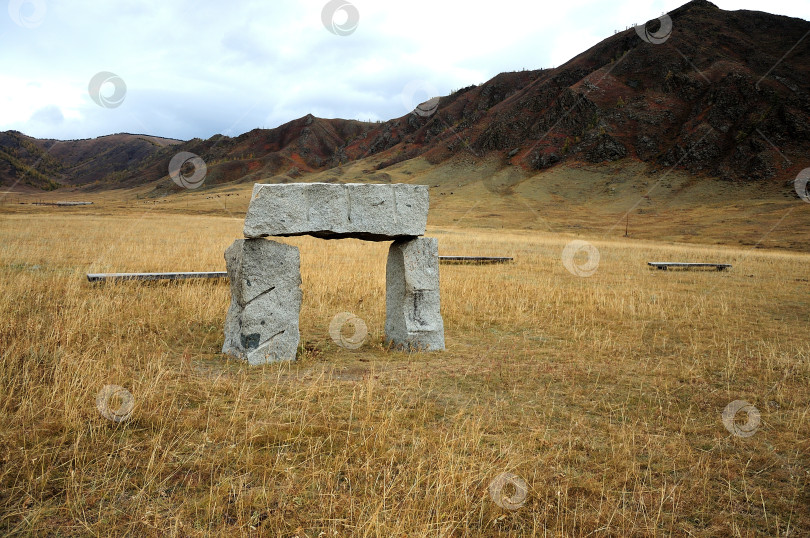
{"points": [[716, 97], [126, 160], [49, 164], [715, 93]]}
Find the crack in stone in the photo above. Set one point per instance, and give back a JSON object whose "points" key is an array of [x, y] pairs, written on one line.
{"points": [[268, 341], [265, 292], [396, 210], [349, 203]]}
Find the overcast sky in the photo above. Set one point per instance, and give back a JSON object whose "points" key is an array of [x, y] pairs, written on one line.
{"points": [[185, 69]]}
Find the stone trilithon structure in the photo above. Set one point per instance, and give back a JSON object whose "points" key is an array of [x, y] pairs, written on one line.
{"points": [[265, 276]]}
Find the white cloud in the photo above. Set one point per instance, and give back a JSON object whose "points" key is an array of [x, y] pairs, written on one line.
{"points": [[197, 69], [48, 115]]}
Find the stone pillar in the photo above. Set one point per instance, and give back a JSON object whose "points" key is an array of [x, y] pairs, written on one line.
{"points": [[262, 321], [412, 317]]}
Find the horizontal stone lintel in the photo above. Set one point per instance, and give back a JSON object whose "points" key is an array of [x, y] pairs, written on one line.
{"points": [[368, 211]]}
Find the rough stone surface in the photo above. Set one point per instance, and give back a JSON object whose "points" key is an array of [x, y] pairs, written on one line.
{"points": [[374, 212], [412, 319], [262, 321]]}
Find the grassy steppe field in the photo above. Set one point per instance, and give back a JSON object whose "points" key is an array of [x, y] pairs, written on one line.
{"points": [[604, 394]]}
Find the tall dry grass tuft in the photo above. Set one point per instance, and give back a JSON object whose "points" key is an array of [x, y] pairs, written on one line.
{"points": [[604, 394]]}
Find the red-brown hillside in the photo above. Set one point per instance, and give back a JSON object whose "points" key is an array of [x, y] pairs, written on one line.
{"points": [[27, 162], [727, 94], [716, 97], [302, 145]]}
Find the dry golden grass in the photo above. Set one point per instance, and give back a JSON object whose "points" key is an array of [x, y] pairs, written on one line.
{"points": [[603, 393], [598, 200]]}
